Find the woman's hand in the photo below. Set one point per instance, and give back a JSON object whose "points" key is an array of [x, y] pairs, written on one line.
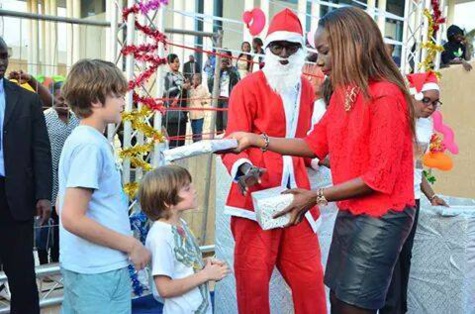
{"points": [[303, 201], [246, 140], [437, 201]]}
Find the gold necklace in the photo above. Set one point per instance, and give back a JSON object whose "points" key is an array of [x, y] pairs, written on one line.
{"points": [[350, 96]]}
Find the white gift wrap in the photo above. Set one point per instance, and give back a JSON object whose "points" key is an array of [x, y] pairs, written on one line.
{"points": [[199, 148], [267, 203]]}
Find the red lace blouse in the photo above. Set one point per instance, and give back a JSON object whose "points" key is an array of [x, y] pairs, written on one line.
{"points": [[372, 141]]}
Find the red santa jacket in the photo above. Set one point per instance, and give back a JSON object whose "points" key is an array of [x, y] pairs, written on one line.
{"points": [[255, 107]]}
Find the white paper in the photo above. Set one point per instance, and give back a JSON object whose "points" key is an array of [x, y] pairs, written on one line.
{"points": [[199, 148], [267, 203]]}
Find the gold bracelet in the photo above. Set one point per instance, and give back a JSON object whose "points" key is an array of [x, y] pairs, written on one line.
{"points": [[321, 200]]}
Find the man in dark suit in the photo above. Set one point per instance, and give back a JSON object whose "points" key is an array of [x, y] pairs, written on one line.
{"points": [[191, 67], [25, 185]]}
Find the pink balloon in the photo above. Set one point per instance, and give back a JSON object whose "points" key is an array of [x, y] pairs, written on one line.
{"points": [[255, 21], [449, 136], [247, 17], [311, 38]]}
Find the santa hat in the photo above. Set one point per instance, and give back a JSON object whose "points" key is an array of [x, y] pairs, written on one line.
{"points": [[421, 82], [285, 26]]}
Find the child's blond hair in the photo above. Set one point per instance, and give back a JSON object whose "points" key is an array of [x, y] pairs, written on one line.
{"points": [[159, 190], [91, 81]]}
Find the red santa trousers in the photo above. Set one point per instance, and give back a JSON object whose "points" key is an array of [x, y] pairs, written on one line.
{"points": [[296, 253]]}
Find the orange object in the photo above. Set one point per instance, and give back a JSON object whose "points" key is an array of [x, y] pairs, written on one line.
{"points": [[439, 161], [47, 82]]}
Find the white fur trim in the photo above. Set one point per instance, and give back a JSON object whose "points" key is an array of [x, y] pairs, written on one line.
{"points": [[314, 224], [430, 86], [425, 87], [240, 212], [315, 164], [236, 166], [285, 36]]}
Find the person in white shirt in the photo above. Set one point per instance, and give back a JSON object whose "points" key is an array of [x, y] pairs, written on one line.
{"points": [[96, 244], [179, 273], [426, 99]]}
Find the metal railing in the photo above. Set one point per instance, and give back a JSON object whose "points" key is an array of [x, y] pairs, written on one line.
{"points": [[50, 270]]}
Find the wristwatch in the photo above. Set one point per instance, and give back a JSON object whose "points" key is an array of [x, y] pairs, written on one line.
{"points": [[321, 199]]}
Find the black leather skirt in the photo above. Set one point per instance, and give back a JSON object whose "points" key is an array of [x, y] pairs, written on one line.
{"points": [[363, 253]]}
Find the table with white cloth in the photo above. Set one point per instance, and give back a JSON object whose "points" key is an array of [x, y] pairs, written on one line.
{"points": [[442, 278]]}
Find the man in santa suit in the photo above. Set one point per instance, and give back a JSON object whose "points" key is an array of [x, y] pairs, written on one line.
{"points": [[275, 101]]}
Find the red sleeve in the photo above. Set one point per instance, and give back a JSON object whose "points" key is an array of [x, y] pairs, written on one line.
{"points": [[388, 133], [317, 139], [240, 118]]}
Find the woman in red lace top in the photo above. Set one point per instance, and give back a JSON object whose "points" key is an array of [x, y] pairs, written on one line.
{"points": [[368, 131]]}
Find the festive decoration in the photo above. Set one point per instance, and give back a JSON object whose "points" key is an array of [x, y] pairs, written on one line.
{"points": [[140, 226], [436, 145], [436, 157], [285, 26], [255, 21], [436, 16], [429, 176], [131, 189], [435, 20], [422, 82], [146, 6], [136, 285], [147, 54], [446, 131], [438, 160], [311, 38]]}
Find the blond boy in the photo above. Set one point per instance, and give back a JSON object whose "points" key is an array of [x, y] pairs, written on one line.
{"points": [[96, 243]]}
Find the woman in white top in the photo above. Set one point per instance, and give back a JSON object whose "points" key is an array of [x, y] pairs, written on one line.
{"points": [[425, 91]]}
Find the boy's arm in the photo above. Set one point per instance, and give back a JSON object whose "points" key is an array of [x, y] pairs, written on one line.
{"points": [[74, 220], [170, 288]]}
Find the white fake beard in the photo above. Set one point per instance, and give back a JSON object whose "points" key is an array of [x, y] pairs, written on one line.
{"points": [[282, 78]]}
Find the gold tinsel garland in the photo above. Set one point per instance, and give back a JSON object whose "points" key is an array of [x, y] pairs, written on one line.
{"points": [[430, 46], [131, 189], [432, 49], [137, 153]]}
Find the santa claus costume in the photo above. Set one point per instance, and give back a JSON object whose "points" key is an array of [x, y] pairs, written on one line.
{"points": [[276, 101]]}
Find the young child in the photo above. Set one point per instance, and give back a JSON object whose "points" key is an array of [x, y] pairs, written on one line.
{"points": [[179, 273], [96, 243], [199, 98]]}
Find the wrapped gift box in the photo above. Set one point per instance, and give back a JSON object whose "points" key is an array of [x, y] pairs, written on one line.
{"points": [[267, 203], [199, 148]]}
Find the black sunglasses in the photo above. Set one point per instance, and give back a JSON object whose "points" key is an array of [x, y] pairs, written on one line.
{"points": [[277, 47], [427, 101]]}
